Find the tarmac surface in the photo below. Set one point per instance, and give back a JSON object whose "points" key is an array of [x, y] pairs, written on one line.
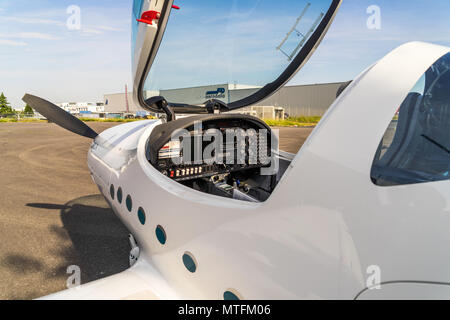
{"points": [[52, 215]]}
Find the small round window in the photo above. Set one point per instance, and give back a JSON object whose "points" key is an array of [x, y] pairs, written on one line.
{"points": [[112, 191], [129, 203], [141, 215], [231, 295], [161, 235], [119, 195], [189, 262]]}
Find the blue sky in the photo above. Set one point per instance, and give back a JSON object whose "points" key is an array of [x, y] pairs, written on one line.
{"points": [[39, 55], [210, 43]]}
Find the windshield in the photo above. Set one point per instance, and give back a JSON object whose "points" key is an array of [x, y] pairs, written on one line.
{"points": [[416, 146], [229, 50]]}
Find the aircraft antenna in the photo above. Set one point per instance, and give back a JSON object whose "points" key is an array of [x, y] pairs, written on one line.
{"points": [[300, 34]]}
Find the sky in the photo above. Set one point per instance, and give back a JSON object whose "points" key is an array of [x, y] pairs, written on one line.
{"points": [[40, 55], [230, 42]]}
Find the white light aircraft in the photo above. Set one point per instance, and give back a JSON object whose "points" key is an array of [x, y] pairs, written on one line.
{"points": [[361, 206]]}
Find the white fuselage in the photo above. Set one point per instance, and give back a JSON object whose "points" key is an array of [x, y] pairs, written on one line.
{"points": [[321, 234]]}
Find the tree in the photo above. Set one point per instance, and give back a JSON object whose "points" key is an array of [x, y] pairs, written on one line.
{"points": [[5, 107], [28, 110]]}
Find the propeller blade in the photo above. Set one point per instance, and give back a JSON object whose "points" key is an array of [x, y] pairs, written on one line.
{"points": [[59, 116]]}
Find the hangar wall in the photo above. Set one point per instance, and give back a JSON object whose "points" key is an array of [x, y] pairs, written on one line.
{"points": [[116, 103], [301, 100], [198, 95]]}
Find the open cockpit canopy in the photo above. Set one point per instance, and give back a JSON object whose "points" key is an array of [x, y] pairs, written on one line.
{"points": [[231, 53]]}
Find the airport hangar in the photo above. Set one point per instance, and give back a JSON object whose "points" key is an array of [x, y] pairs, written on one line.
{"points": [[295, 101]]}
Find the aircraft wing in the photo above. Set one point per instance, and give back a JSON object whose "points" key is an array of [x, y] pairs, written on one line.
{"points": [[141, 282]]}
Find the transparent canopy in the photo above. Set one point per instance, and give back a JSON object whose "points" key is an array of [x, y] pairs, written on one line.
{"points": [[229, 50]]}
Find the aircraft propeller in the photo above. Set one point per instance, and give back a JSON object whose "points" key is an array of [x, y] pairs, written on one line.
{"points": [[59, 116]]}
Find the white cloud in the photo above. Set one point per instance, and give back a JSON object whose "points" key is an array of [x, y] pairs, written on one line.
{"points": [[37, 35], [98, 29], [107, 28], [91, 31], [26, 20], [29, 35], [12, 43]]}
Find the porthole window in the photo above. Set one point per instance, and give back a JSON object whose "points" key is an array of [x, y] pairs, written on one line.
{"points": [[416, 145], [141, 215], [112, 191], [231, 295], [119, 195], [189, 262], [129, 203], [161, 235]]}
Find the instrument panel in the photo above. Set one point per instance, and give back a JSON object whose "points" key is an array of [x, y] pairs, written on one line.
{"points": [[205, 146]]}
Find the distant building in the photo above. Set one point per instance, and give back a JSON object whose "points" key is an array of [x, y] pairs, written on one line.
{"points": [[264, 112], [117, 103], [301, 100], [199, 95], [83, 107], [295, 101]]}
